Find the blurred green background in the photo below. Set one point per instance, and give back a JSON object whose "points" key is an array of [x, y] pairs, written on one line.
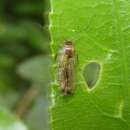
{"points": [[25, 60]]}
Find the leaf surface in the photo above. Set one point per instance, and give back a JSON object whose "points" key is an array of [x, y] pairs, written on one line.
{"points": [[100, 31]]}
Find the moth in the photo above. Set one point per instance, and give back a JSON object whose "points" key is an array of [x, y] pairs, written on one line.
{"points": [[66, 63]]}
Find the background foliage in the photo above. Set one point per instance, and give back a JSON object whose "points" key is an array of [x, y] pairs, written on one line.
{"points": [[24, 63]]}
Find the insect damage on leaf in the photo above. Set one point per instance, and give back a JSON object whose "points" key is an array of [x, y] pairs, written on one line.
{"points": [[91, 74], [66, 61]]}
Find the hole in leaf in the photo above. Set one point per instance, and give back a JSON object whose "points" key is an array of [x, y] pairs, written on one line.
{"points": [[91, 73]]}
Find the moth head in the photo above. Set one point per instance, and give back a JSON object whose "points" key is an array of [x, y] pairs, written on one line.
{"points": [[69, 49]]}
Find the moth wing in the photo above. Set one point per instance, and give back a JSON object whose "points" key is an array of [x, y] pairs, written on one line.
{"points": [[70, 71], [62, 65]]}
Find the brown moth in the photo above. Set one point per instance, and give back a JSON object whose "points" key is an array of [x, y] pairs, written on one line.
{"points": [[66, 63]]}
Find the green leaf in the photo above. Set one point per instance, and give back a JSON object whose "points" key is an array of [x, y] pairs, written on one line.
{"points": [[36, 69], [9, 122], [100, 31]]}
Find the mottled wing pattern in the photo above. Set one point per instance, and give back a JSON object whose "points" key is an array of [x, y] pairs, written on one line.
{"points": [[65, 74]]}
